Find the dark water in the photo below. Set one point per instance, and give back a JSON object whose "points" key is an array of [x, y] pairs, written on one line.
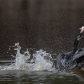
{"points": [[38, 77], [21, 77], [51, 25]]}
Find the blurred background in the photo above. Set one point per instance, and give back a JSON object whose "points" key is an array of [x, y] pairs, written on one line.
{"points": [[51, 25]]}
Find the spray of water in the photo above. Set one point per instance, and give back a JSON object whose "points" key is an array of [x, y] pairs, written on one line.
{"points": [[41, 61]]}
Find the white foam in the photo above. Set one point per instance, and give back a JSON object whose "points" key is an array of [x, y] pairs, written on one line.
{"points": [[40, 63]]}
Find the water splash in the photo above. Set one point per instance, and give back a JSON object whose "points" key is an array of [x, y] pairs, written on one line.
{"points": [[40, 61]]}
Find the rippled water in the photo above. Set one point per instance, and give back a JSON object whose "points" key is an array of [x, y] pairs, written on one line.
{"points": [[40, 77]]}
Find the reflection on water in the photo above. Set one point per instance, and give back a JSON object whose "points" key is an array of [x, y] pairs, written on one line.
{"points": [[24, 77]]}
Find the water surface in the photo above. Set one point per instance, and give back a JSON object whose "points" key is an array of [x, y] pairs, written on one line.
{"points": [[40, 77]]}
